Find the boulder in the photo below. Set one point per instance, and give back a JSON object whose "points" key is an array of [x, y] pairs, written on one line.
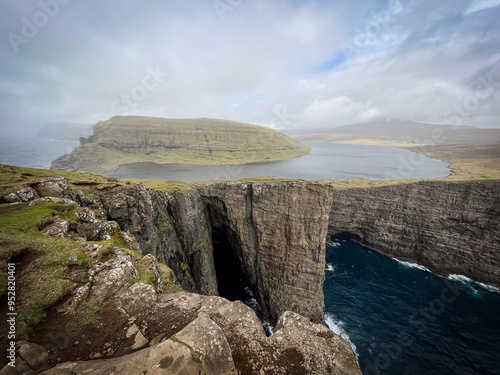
{"points": [[11, 198], [53, 187], [200, 348], [35, 355], [57, 229], [27, 194]]}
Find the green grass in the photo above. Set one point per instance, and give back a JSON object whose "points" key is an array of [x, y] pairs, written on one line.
{"points": [[128, 139], [89, 312], [42, 282], [166, 186], [13, 178]]}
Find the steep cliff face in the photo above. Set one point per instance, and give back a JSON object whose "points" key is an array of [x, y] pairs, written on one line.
{"points": [[451, 228], [173, 227], [277, 232]]}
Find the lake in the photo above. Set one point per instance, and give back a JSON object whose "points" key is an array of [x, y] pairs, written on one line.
{"points": [[326, 161]]}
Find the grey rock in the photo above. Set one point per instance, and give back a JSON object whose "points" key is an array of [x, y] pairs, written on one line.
{"points": [[35, 355], [11, 198], [27, 194], [56, 187], [57, 229]]}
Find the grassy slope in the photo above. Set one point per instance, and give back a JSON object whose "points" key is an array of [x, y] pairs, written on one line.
{"points": [[128, 139], [44, 262]]}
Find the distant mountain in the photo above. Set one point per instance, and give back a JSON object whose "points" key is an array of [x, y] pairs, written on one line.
{"points": [[401, 133], [64, 131], [202, 141]]}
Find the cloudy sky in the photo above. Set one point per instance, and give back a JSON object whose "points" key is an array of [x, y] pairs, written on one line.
{"points": [[279, 63]]}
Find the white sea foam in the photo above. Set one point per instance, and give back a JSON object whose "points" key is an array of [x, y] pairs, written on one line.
{"points": [[333, 244], [489, 288], [329, 268], [336, 326], [413, 265], [268, 328], [461, 278], [466, 280]]}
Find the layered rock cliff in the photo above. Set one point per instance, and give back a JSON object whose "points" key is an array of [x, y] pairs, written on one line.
{"points": [[278, 232], [450, 228]]}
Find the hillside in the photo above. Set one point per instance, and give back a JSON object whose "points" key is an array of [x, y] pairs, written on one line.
{"points": [[128, 139], [401, 133]]}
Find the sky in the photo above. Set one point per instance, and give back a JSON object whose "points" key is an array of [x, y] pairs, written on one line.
{"points": [[283, 63]]}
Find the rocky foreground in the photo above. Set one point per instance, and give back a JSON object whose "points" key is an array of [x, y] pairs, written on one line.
{"points": [[138, 327]]}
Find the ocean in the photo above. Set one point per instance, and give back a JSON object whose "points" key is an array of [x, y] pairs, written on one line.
{"points": [[402, 319], [31, 152]]}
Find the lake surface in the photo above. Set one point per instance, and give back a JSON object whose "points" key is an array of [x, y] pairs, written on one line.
{"points": [[403, 319], [326, 161]]}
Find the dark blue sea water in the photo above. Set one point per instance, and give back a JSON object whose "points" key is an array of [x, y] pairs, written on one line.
{"points": [[405, 320]]}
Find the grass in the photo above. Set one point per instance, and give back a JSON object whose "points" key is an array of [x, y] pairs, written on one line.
{"points": [[41, 282], [166, 186], [43, 261], [129, 139], [13, 178], [89, 312], [468, 162]]}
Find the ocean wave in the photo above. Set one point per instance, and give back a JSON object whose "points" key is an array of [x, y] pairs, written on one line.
{"points": [[461, 278], [333, 244], [412, 265], [336, 327], [467, 281], [489, 288], [268, 328], [329, 268], [470, 282]]}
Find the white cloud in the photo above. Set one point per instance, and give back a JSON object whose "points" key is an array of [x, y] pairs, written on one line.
{"points": [[264, 54], [479, 5]]}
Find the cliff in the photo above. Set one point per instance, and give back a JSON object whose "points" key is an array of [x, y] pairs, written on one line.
{"points": [[278, 232], [274, 235], [129, 139], [450, 228], [98, 298]]}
